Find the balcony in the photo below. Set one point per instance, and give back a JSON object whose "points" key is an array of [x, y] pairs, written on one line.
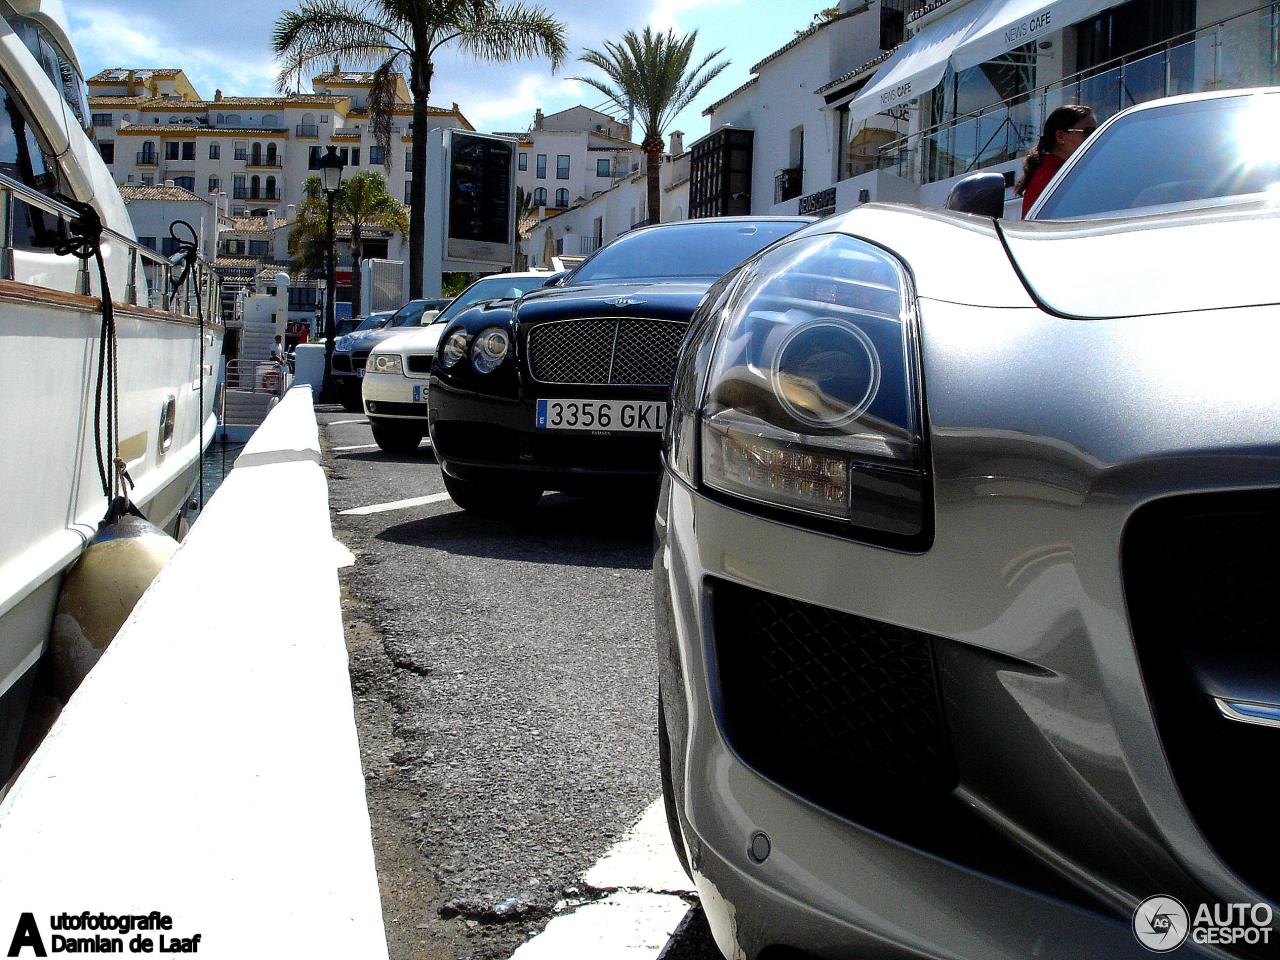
{"points": [[306, 130], [270, 161], [787, 185], [1189, 63], [244, 193], [589, 245], [148, 159]]}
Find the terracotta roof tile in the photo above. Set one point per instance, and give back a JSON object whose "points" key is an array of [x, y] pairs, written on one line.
{"points": [[158, 191]]}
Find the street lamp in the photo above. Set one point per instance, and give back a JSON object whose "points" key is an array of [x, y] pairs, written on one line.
{"points": [[330, 166]]}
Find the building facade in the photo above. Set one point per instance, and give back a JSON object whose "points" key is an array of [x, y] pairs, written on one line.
{"points": [[568, 157], [944, 88]]}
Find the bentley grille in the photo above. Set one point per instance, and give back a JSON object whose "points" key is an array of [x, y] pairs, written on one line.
{"points": [[610, 352]]}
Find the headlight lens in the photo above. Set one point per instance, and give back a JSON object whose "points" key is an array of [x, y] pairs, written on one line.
{"points": [[386, 363], [342, 343], [454, 349], [812, 398], [490, 349]]}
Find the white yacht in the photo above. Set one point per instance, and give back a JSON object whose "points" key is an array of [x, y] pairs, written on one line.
{"points": [[51, 495]]}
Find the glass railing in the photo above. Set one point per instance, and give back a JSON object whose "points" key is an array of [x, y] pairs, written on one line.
{"points": [[1241, 52]]}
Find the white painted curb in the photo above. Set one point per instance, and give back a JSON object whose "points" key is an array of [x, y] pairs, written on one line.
{"points": [[208, 768]]}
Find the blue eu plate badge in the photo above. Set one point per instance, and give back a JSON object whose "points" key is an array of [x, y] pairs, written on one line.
{"points": [[419, 393], [541, 422]]}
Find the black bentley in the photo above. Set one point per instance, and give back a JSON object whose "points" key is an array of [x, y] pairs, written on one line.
{"points": [[567, 388]]}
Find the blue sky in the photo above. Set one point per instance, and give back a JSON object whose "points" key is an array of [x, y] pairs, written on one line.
{"points": [[227, 44]]}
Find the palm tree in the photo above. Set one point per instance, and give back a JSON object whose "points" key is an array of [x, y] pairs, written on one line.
{"points": [[650, 76], [362, 202], [389, 35]]}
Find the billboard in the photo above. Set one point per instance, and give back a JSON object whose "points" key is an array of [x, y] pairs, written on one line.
{"points": [[480, 227]]}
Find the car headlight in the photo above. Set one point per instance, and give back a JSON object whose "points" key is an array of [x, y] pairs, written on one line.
{"points": [[385, 363], [490, 348], [342, 343], [811, 400], [454, 349]]}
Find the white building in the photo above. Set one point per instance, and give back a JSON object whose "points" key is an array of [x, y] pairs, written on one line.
{"points": [[567, 157], [584, 226], [899, 99], [155, 207]]}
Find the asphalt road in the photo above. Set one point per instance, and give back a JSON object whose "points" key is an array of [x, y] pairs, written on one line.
{"points": [[506, 700]]}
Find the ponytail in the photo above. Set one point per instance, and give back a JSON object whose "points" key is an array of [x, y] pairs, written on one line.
{"points": [[1063, 118]]}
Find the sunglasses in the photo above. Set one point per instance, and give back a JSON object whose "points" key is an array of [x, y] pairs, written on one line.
{"points": [[1085, 130]]}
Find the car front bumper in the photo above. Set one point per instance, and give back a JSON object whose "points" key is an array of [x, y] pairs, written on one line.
{"points": [[480, 437], [393, 396], [1022, 609]]}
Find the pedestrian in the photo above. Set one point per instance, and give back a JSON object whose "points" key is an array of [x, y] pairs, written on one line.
{"points": [[1064, 130], [277, 350]]}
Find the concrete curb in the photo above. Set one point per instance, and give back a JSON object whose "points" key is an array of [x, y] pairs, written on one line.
{"points": [[209, 768]]}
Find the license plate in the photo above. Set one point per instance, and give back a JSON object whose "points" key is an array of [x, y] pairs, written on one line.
{"points": [[419, 393], [360, 372], [645, 416]]}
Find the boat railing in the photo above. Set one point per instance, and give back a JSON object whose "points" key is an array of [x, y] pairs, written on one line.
{"points": [[200, 289], [258, 376]]}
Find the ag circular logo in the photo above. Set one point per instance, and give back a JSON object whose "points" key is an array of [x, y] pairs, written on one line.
{"points": [[1161, 924]]}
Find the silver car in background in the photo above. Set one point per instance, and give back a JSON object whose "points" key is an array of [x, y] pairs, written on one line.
{"points": [[967, 565]]}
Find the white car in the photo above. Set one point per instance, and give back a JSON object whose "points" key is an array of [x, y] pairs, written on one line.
{"points": [[394, 387]]}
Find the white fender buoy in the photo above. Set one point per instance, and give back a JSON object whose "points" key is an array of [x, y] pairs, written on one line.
{"points": [[100, 592]]}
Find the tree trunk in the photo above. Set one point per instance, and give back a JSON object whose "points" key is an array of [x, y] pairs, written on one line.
{"points": [[653, 147], [357, 254], [420, 78]]}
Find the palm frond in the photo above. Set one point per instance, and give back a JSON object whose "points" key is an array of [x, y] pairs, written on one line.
{"points": [[323, 30], [382, 104], [511, 31]]}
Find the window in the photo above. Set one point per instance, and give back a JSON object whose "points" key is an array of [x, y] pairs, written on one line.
{"points": [[237, 186], [408, 161], [602, 168], [270, 188], [108, 151], [377, 156], [542, 167], [562, 167], [102, 119], [540, 197], [408, 188], [313, 158], [234, 247], [189, 150], [562, 197], [355, 156], [215, 151], [186, 183], [148, 242], [242, 150], [147, 180], [523, 162], [214, 184], [259, 248], [272, 158], [168, 246], [24, 158], [233, 119], [171, 150]]}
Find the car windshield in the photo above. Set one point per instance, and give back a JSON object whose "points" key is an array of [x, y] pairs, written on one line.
{"points": [[1196, 152], [410, 315], [497, 287], [694, 249], [373, 323]]}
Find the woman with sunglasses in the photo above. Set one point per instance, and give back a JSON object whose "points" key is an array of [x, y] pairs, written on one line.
{"points": [[1064, 130]]}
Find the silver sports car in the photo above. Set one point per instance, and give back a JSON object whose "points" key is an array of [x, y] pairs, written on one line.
{"points": [[968, 568]]}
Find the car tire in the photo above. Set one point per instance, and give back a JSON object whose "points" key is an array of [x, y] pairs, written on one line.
{"points": [[393, 438], [491, 499], [350, 399], [668, 792]]}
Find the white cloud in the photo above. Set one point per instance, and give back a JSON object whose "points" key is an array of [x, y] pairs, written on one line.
{"points": [[667, 14]]}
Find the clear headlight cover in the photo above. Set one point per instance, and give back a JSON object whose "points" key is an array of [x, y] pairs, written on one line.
{"points": [[454, 349], [490, 349], [812, 400], [385, 363]]}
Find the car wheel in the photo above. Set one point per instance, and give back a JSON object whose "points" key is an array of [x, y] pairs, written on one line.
{"points": [[668, 791], [393, 438], [350, 399], [491, 499]]}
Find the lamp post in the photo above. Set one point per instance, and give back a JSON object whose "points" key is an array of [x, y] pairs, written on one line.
{"points": [[330, 166]]}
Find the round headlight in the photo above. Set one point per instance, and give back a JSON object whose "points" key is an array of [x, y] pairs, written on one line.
{"points": [[826, 373], [455, 349], [490, 349], [385, 363]]}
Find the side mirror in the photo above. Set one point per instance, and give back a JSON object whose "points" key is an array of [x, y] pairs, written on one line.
{"points": [[982, 193], [555, 278]]}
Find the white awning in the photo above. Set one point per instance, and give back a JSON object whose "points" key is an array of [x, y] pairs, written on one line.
{"points": [[920, 62], [1008, 24]]}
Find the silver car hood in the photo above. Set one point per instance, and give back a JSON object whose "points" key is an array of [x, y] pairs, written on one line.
{"points": [[1211, 259]]}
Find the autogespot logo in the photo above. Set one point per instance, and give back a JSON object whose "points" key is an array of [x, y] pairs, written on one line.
{"points": [[1161, 924]]}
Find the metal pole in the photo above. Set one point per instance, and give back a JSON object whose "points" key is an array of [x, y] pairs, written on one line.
{"points": [[330, 324]]}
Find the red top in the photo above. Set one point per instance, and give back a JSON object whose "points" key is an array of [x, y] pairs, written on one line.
{"points": [[1050, 164]]}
